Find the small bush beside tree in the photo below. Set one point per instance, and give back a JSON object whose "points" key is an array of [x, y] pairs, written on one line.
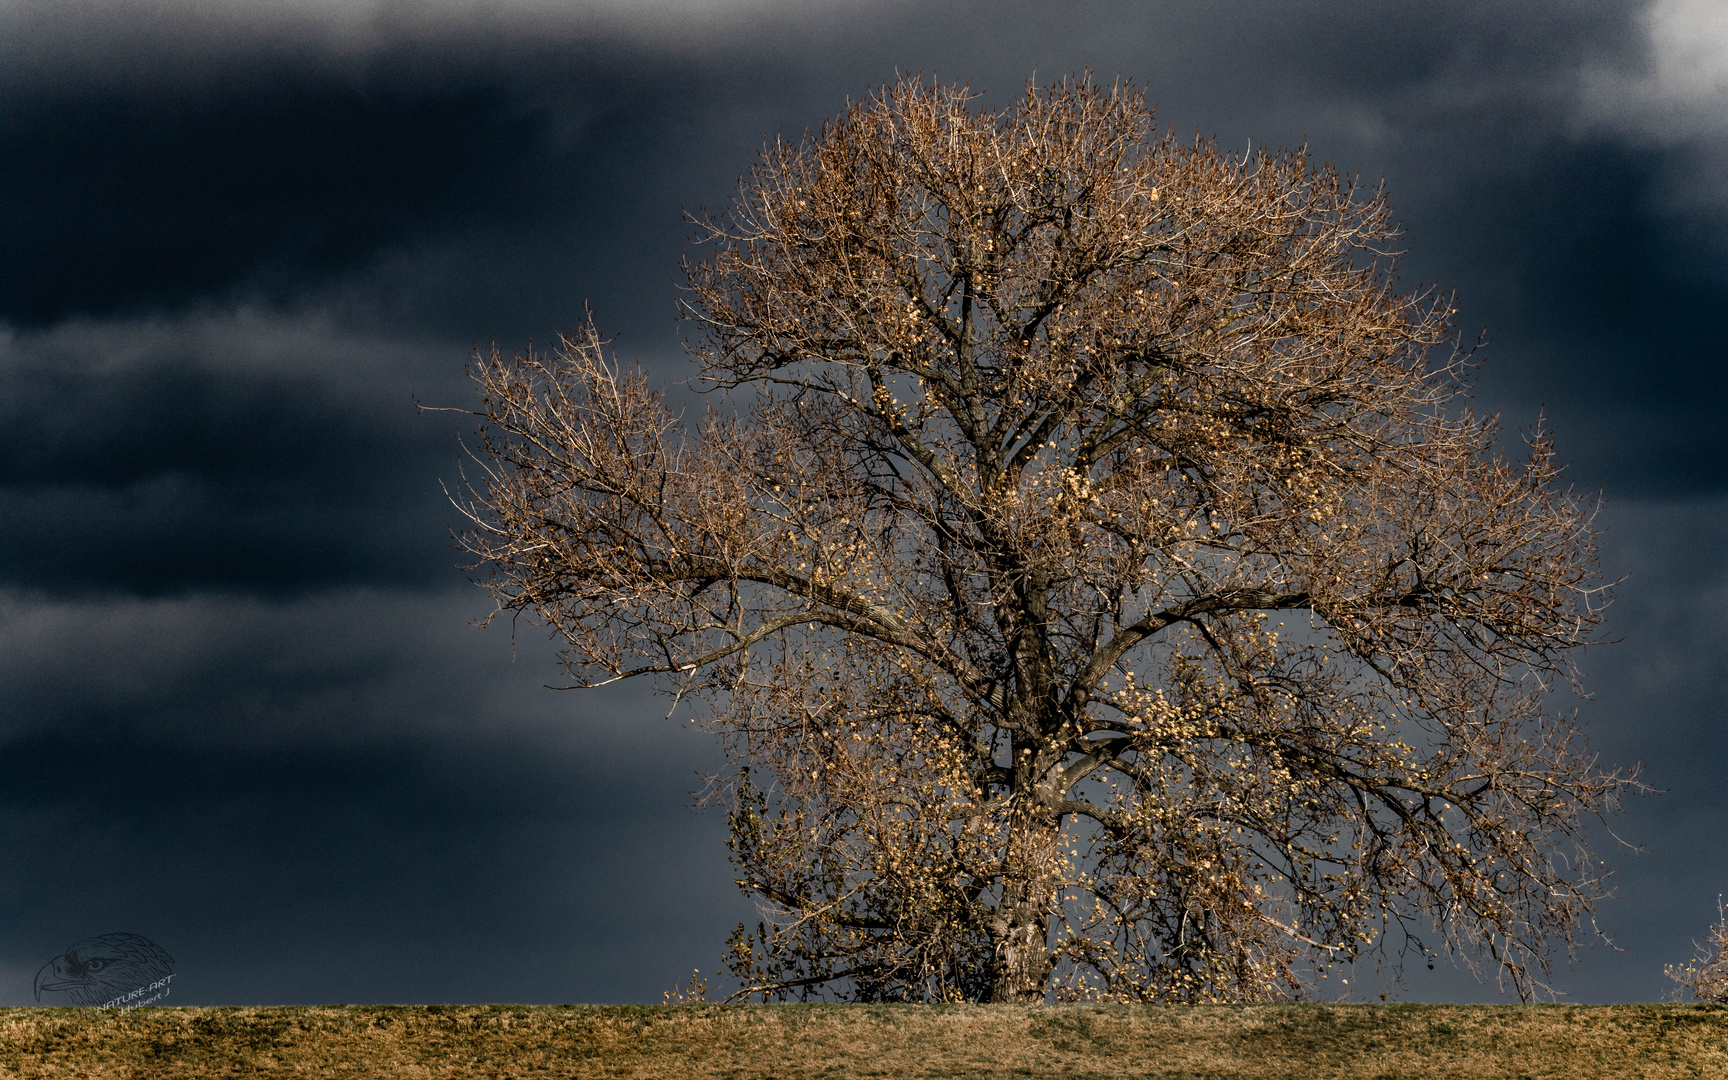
{"points": [[1706, 978]]}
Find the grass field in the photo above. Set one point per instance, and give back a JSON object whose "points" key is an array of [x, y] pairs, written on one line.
{"points": [[792, 1041]]}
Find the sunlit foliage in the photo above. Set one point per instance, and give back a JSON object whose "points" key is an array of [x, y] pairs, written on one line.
{"points": [[1706, 977]]}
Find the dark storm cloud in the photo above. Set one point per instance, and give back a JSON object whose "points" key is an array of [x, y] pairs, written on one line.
{"points": [[351, 666], [117, 203], [121, 201], [180, 470], [1658, 700], [237, 241], [384, 873], [1598, 305], [273, 790], [529, 148]]}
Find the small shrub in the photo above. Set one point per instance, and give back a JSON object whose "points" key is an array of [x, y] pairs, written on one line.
{"points": [[1706, 978], [695, 992]]}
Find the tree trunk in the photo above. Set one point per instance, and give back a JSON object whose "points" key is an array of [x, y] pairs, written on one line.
{"points": [[1021, 928]]}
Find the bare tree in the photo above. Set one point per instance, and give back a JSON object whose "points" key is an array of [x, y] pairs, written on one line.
{"points": [[1104, 592]]}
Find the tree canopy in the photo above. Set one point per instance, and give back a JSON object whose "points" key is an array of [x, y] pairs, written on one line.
{"points": [[1094, 569]]}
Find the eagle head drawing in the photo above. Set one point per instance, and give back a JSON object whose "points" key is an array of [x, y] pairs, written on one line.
{"points": [[103, 968]]}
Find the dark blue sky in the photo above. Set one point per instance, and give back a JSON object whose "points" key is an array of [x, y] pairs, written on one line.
{"points": [[241, 710]]}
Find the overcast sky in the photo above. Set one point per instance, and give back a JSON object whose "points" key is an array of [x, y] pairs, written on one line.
{"points": [[242, 710]]}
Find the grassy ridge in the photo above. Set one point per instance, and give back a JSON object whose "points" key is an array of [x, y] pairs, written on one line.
{"points": [[702, 1041]]}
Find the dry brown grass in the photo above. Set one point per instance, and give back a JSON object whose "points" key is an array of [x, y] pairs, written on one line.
{"points": [[703, 1041]]}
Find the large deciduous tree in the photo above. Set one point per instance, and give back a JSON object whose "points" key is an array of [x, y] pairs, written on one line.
{"points": [[1103, 589]]}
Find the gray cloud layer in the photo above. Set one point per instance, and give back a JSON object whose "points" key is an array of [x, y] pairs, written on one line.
{"points": [[244, 714]]}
